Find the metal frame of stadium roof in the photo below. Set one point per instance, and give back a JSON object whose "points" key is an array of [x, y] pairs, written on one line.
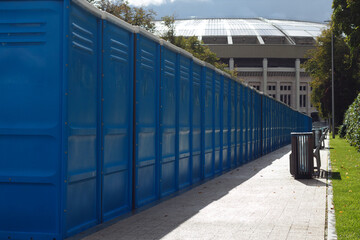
{"points": [[245, 27]]}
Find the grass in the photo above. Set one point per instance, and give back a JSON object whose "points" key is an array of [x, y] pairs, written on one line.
{"points": [[345, 160]]}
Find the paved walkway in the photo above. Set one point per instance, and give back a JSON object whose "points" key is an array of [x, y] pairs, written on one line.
{"points": [[260, 200]]}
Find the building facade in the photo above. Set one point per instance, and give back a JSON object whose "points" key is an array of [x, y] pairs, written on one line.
{"points": [[267, 54]]}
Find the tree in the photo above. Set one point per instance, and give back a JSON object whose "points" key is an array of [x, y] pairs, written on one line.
{"points": [[346, 19], [346, 76], [192, 45], [133, 15]]}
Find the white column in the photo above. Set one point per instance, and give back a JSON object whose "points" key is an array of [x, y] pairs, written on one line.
{"points": [[297, 84], [231, 63], [265, 70], [308, 99]]}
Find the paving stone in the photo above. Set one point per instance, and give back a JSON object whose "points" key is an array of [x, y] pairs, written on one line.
{"points": [[259, 200]]}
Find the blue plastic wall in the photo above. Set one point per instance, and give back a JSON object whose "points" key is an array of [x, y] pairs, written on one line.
{"points": [[184, 122], [97, 119], [169, 161], [147, 155], [225, 125], [30, 119], [217, 124], [117, 120], [196, 125]]}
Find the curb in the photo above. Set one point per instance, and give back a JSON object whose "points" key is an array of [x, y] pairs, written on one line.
{"points": [[331, 231]]}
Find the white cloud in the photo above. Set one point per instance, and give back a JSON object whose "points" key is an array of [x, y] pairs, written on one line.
{"points": [[139, 3], [144, 3]]}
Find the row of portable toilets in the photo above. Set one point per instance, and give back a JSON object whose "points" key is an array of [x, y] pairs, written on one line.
{"points": [[99, 118]]}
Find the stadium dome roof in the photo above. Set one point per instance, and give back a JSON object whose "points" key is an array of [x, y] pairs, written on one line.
{"points": [[247, 31]]}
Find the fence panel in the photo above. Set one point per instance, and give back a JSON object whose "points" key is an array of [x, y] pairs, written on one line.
{"points": [[184, 115], [196, 102], [208, 122], [217, 122], [232, 125], [239, 124], [117, 119], [147, 110], [82, 122], [168, 109], [225, 135]]}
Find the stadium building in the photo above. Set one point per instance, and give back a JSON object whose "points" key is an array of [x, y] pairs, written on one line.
{"points": [[267, 54]]}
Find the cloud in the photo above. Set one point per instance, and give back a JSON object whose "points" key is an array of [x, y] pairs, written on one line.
{"points": [[312, 10], [144, 3]]}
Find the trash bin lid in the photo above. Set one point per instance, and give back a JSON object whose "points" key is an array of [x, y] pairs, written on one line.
{"points": [[301, 133]]}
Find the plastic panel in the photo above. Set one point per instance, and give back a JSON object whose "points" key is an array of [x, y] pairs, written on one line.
{"points": [[168, 109], [217, 123], [208, 122], [147, 106], [117, 118], [239, 123], [232, 125], [249, 125], [30, 125], [197, 164], [226, 132], [185, 167], [82, 165], [245, 124]]}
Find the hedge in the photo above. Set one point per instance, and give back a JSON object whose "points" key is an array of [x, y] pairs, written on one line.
{"points": [[352, 123]]}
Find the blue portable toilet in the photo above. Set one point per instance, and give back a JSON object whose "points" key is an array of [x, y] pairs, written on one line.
{"points": [[98, 117], [66, 118]]}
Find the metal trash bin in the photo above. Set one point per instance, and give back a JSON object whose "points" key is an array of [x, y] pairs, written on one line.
{"points": [[301, 157]]}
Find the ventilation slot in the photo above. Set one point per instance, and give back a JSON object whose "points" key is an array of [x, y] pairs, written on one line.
{"points": [[15, 34], [82, 39], [119, 51]]}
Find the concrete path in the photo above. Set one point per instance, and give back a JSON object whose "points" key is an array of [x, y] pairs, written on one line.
{"points": [[259, 200]]}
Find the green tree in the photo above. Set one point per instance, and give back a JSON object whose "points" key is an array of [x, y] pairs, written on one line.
{"points": [[346, 76], [137, 16], [346, 19], [192, 45]]}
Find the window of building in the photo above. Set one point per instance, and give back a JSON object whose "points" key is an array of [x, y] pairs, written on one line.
{"points": [[289, 99], [271, 87], [281, 62], [285, 88], [286, 98], [302, 100], [248, 62], [302, 88]]}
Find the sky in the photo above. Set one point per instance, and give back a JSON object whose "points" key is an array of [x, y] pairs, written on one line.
{"points": [[305, 10]]}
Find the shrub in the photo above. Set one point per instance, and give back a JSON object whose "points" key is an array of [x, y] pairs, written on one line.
{"points": [[342, 131], [352, 122]]}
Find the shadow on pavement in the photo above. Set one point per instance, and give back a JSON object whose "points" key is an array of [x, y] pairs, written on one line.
{"points": [[312, 182], [160, 219]]}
